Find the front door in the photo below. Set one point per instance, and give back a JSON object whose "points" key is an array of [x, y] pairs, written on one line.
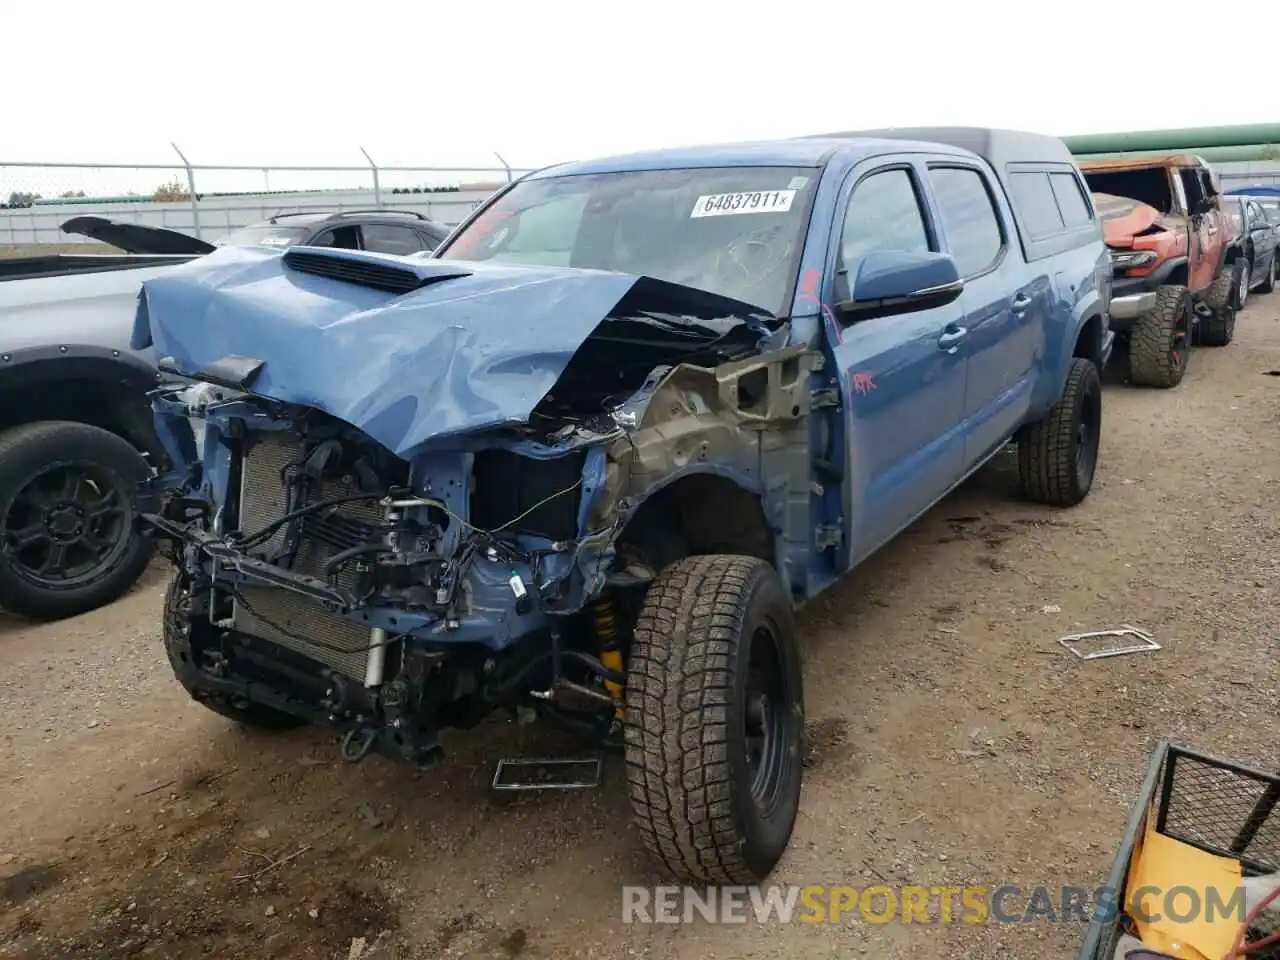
{"points": [[1206, 231], [902, 377]]}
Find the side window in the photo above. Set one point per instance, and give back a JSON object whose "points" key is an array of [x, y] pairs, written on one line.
{"points": [[345, 238], [883, 214], [1191, 187], [1206, 183], [1033, 196], [1071, 201], [969, 218], [385, 238]]}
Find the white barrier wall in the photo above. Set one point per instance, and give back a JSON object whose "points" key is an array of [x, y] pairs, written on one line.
{"points": [[218, 215]]}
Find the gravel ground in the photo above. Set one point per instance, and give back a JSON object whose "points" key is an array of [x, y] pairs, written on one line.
{"points": [[951, 740]]}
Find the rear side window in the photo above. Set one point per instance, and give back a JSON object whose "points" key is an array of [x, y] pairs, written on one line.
{"points": [[345, 238], [1033, 196], [969, 218], [385, 238], [1071, 201]]}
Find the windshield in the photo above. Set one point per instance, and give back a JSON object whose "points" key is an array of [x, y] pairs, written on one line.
{"points": [[733, 231], [268, 233]]}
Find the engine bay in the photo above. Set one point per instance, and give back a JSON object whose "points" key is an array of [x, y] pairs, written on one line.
{"points": [[316, 558]]}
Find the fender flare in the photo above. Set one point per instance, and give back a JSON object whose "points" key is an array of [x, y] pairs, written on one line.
{"points": [[28, 367], [29, 364], [1160, 275]]}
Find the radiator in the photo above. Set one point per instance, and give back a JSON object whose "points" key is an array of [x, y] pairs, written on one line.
{"points": [[282, 616]]}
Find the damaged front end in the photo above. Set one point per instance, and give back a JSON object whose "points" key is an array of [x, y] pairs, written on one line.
{"points": [[408, 494], [1146, 245]]}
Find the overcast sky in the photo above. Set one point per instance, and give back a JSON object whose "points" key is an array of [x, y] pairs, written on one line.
{"points": [[278, 81]]}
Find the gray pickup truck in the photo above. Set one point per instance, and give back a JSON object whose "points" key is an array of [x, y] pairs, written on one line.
{"points": [[76, 428]]}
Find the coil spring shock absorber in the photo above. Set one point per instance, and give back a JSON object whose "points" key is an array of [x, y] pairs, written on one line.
{"points": [[604, 615]]}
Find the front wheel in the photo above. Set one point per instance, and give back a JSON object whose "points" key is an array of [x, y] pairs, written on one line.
{"points": [[715, 720], [1160, 341], [67, 540], [176, 631], [1058, 456]]}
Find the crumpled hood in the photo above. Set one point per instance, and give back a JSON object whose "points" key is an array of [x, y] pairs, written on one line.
{"points": [[475, 346], [1124, 218]]}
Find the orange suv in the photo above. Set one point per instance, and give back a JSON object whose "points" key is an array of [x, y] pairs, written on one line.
{"points": [[1175, 262]]}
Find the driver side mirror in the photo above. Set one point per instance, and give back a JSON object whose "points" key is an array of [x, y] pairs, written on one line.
{"points": [[1204, 205], [891, 282]]}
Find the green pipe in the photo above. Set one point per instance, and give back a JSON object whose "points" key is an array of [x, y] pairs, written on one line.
{"points": [[1189, 139], [1233, 154]]}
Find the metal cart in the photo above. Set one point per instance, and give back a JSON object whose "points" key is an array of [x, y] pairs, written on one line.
{"points": [[1220, 807]]}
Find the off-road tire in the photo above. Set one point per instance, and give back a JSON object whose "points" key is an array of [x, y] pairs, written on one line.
{"points": [[1157, 355], [1222, 292], [255, 716], [1269, 284], [1219, 329], [1049, 462], [686, 720], [25, 452]]}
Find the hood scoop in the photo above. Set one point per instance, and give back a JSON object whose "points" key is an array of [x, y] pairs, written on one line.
{"points": [[384, 272]]}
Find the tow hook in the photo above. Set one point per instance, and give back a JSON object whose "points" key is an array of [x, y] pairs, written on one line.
{"points": [[357, 744]]}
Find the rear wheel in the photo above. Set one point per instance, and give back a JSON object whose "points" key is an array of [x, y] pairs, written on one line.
{"points": [[715, 719], [1058, 456], [67, 537], [1160, 340], [1218, 329]]}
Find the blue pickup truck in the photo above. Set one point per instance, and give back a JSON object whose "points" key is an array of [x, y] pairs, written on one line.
{"points": [[584, 461]]}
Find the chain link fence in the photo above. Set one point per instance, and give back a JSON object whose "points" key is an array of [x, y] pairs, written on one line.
{"points": [[210, 201]]}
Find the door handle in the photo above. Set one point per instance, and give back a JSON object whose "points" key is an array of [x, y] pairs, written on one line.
{"points": [[1021, 303], [951, 339]]}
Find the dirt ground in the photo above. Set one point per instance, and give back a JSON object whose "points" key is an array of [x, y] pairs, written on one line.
{"points": [[952, 741]]}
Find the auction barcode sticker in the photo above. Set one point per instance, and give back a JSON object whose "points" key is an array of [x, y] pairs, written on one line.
{"points": [[749, 201]]}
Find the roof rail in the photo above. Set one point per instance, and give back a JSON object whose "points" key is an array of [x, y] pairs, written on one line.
{"points": [[295, 213], [403, 213]]}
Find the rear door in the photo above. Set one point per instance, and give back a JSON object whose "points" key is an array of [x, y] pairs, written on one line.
{"points": [[1005, 307], [902, 377]]}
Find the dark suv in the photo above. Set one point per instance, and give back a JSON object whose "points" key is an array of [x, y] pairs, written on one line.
{"points": [[400, 232]]}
